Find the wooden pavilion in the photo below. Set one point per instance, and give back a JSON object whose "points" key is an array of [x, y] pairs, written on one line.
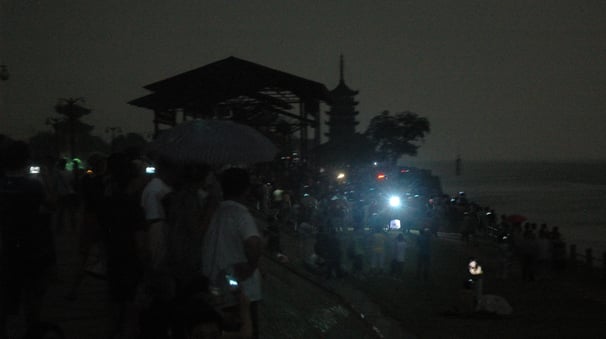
{"points": [[270, 100]]}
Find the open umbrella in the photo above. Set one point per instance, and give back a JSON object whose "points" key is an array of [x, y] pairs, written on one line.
{"points": [[215, 142]]}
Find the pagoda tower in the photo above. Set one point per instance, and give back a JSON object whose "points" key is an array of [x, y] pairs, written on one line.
{"points": [[342, 115]]}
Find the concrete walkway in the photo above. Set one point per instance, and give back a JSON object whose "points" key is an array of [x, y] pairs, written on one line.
{"points": [[297, 248], [293, 306]]}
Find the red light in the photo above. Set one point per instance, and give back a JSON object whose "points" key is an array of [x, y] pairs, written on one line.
{"points": [[380, 176]]}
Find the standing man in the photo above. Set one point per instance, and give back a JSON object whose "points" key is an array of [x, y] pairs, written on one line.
{"points": [[152, 202], [27, 253], [65, 214], [155, 317], [423, 254], [232, 245]]}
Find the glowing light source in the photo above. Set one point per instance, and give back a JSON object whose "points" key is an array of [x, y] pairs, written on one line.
{"points": [[474, 268], [341, 176], [394, 224], [395, 201]]}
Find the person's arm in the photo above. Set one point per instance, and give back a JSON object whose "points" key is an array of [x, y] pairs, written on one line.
{"points": [[252, 249]]}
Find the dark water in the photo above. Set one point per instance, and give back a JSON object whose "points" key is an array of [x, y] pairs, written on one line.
{"points": [[570, 195]]}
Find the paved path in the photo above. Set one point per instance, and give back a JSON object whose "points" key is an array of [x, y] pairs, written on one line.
{"points": [[293, 306]]}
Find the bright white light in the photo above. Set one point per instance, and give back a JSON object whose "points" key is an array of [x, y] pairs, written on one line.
{"points": [[394, 201], [34, 169], [474, 268], [341, 176], [150, 170], [394, 224]]}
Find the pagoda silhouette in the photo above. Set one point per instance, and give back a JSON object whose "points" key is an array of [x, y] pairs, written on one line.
{"points": [[344, 146], [342, 115]]}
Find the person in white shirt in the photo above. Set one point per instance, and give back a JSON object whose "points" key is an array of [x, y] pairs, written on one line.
{"points": [[151, 201], [233, 244]]}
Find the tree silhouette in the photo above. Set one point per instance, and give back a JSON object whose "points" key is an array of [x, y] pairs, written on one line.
{"points": [[355, 150], [397, 135], [129, 143], [69, 125]]}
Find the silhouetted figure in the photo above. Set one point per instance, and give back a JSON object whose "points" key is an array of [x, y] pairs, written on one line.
{"points": [[356, 252], [506, 254], [190, 208], [121, 219], [544, 249], [558, 248], [423, 254], [27, 251], [157, 284], [399, 257], [529, 251], [378, 243], [67, 200], [468, 228], [458, 165], [328, 246], [92, 191]]}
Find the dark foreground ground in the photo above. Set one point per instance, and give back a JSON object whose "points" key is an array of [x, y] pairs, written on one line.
{"points": [[293, 306], [569, 303], [299, 304]]}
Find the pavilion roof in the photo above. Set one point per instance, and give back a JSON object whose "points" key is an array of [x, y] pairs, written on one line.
{"points": [[231, 78]]}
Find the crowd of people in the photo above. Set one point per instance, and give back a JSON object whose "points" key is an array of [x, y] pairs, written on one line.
{"points": [[180, 248], [370, 251]]}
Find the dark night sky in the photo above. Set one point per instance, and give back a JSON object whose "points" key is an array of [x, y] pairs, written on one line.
{"points": [[497, 79]]}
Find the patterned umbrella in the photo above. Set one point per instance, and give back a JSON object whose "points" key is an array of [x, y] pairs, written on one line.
{"points": [[215, 142]]}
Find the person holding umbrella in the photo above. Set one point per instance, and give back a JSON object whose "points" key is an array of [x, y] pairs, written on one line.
{"points": [[232, 245]]}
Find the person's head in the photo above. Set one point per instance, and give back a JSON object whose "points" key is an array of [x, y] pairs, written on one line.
{"points": [[121, 168], [15, 156], [168, 171], [193, 175], [235, 183]]}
